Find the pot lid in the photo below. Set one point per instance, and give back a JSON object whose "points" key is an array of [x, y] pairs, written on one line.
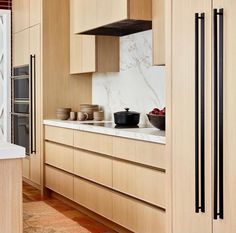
{"points": [[127, 112]]}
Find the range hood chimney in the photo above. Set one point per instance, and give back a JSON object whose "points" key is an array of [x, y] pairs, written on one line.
{"points": [[111, 17]]}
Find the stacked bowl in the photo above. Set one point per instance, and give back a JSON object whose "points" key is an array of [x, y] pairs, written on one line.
{"points": [[63, 113], [98, 116], [89, 109]]}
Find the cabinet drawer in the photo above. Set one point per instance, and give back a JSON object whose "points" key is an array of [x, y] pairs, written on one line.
{"points": [[140, 182], [137, 216], [94, 142], [59, 156], [59, 181], [93, 197], [60, 135], [152, 154], [93, 167]]}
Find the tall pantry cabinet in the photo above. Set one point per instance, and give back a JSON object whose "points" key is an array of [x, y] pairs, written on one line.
{"points": [[37, 25], [203, 116]]}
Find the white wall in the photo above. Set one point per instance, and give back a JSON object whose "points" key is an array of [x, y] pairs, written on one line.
{"points": [[5, 72], [139, 85]]}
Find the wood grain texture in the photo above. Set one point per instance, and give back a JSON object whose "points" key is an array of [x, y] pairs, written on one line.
{"points": [[35, 12], [20, 15], [11, 218], [59, 88], [59, 135], [26, 167], [59, 156], [183, 135], [146, 153], [93, 197], [137, 216], [59, 181], [140, 9], [93, 166], [21, 48], [158, 32], [98, 143], [139, 182]]}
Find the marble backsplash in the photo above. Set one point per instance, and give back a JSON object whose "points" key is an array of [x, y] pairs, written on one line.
{"points": [[139, 85]]}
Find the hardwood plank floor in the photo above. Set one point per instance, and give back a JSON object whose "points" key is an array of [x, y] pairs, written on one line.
{"points": [[31, 194]]}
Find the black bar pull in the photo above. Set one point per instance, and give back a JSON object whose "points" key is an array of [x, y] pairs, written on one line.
{"points": [[200, 112], [218, 115]]}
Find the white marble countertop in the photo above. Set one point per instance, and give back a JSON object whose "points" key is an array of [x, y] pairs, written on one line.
{"points": [[11, 151], [142, 133]]}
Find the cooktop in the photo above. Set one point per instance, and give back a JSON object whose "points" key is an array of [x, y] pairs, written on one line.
{"points": [[112, 125]]}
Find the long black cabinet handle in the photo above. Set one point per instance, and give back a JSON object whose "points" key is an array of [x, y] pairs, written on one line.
{"points": [[200, 121], [218, 114], [32, 106]]}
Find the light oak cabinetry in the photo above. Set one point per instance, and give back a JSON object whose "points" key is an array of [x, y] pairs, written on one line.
{"points": [[38, 36], [203, 81], [158, 29], [98, 13], [90, 53], [127, 192]]}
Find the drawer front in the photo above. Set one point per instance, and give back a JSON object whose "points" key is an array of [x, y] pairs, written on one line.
{"points": [[59, 156], [59, 181], [93, 142], [141, 182], [137, 216], [93, 197], [93, 167], [59, 135], [152, 154]]}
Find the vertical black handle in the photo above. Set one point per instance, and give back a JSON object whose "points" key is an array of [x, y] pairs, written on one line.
{"points": [[32, 106], [201, 113], [218, 115]]}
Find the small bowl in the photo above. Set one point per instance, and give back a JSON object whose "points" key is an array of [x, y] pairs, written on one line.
{"points": [[63, 116], [157, 121]]}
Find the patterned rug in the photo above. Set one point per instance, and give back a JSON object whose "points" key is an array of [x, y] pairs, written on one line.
{"points": [[42, 218]]}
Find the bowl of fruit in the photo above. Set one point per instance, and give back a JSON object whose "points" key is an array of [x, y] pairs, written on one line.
{"points": [[157, 118]]}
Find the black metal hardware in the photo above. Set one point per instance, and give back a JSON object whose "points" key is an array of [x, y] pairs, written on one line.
{"points": [[218, 115], [199, 207]]}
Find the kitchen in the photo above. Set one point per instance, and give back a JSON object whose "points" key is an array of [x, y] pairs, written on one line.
{"points": [[159, 70]]}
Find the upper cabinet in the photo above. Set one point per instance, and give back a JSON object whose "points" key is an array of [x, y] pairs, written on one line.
{"points": [[90, 53], [25, 13], [112, 17], [158, 28]]}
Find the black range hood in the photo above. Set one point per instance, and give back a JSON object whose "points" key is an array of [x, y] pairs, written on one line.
{"points": [[121, 28]]}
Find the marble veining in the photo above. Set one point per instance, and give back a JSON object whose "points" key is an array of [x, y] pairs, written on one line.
{"points": [[139, 85]]}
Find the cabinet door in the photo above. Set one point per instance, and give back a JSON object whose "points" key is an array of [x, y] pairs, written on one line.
{"points": [[158, 28], [185, 219], [21, 48], [20, 15], [35, 12], [228, 223], [35, 45]]}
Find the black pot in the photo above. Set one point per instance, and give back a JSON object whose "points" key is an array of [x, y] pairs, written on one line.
{"points": [[126, 118]]}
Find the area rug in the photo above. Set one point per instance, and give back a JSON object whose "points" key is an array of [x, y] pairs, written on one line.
{"points": [[42, 218]]}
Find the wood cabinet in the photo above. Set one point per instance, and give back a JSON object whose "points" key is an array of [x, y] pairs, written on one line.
{"points": [[158, 29], [90, 15], [93, 197], [151, 154], [21, 48], [59, 181], [35, 11], [59, 156], [137, 216], [98, 143], [89, 53], [139, 182], [26, 168], [203, 82], [93, 166]]}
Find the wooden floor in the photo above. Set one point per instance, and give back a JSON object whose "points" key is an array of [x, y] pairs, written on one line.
{"points": [[30, 194]]}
